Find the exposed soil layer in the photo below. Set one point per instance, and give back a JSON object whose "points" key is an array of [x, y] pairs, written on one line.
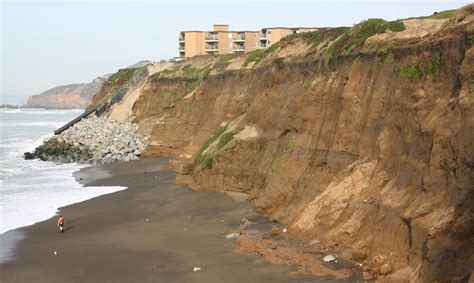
{"points": [[366, 149]]}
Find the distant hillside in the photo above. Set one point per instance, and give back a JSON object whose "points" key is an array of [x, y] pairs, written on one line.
{"points": [[66, 96], [140, 64]]}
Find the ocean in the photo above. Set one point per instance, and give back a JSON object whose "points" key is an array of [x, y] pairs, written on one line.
{"points": [[32, 190]]}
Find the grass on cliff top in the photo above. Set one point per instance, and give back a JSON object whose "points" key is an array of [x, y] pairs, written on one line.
{"points": [[356, 37], [117, 82], [223, 62], [122, 77], [196, 74], [317, 37], [254, 56], [447, 14], [170, 71]]}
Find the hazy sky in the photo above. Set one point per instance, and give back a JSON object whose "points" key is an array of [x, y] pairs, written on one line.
{"points": [[46, 44]]}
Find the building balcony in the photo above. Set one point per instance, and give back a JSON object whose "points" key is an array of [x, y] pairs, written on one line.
{"points": [[181, 39], [212, 38], [212, 48], [238, 48], [181, 48], [240, 38]]}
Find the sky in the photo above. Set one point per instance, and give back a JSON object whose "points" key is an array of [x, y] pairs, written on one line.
{"points": [[47, 44]]}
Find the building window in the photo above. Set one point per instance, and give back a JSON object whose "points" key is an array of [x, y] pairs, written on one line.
{"points": [[269, 42], [230, 44], [229, 35], [269, 32]]}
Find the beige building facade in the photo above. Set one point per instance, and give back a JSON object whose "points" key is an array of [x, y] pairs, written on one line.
{"points": [[222, 41]]}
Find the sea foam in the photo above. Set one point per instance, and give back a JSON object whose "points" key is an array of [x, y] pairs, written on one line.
{"points": [[32, 190]]}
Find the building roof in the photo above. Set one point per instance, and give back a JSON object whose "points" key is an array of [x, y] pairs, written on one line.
{"points": [[291, 27], [220, 31], [236, 31], [228, 31]]}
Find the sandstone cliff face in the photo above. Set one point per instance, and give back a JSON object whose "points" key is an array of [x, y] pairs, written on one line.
{"points": [[365, 148], [73, 96]]}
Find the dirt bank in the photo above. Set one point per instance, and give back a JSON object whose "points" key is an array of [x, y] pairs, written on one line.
{"points": [[356, 139]]}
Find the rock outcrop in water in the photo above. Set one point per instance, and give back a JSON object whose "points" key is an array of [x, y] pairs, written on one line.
{"points": [[94, 140]]}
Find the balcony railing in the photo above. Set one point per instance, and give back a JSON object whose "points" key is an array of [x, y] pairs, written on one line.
{"points": [[238, 48], [181, 38], [239, 38], [212, 38], [212, 47], [181, 48]]}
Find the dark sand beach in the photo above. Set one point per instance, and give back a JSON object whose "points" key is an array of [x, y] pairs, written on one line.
{"points": [[108, 238]]}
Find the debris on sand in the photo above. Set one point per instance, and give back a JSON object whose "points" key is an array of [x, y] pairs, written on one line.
{"points": [[232, 236], [329, 258]]}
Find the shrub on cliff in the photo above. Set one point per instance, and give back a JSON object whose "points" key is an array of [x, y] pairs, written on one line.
{"points": [[356, 37], [254, 56], [223, 61]]}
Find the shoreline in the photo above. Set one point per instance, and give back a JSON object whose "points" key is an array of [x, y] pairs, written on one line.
{"points": [[51, 210], [108, 238]]}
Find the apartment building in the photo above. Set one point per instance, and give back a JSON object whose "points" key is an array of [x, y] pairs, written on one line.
{"points": [[222, 41]]}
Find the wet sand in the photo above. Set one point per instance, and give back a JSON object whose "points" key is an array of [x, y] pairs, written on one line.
{"points": [[108, 238]]}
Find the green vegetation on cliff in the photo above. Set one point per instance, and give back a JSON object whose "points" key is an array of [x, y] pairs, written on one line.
{"points": [[409, 71], [414, 71], [194, 73], [224, 61], [447, 14], [254, 56], [121, 79], [206, 159], [167, 94], [432, 66]]}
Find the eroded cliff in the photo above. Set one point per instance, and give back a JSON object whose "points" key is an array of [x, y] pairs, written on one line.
{"points": [[357, 139]]}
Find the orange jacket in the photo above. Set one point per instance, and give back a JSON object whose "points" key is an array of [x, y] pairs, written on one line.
{"points": [[61, 220]]}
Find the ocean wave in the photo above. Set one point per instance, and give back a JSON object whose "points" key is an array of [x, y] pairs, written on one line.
{"points": [[40, 111], [32, 190], [35, 195], [34, 124]]}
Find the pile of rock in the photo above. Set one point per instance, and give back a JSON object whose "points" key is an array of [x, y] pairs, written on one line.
{"points": [[94, 139]]}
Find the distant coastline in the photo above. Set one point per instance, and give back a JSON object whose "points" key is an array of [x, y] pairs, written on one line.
{"points": [[10, 106]]}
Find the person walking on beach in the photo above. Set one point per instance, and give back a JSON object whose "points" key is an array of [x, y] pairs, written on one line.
{"points": [[61, 223]]}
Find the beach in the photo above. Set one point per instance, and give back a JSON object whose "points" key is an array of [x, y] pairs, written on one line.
{"points": [[154, 231]]}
